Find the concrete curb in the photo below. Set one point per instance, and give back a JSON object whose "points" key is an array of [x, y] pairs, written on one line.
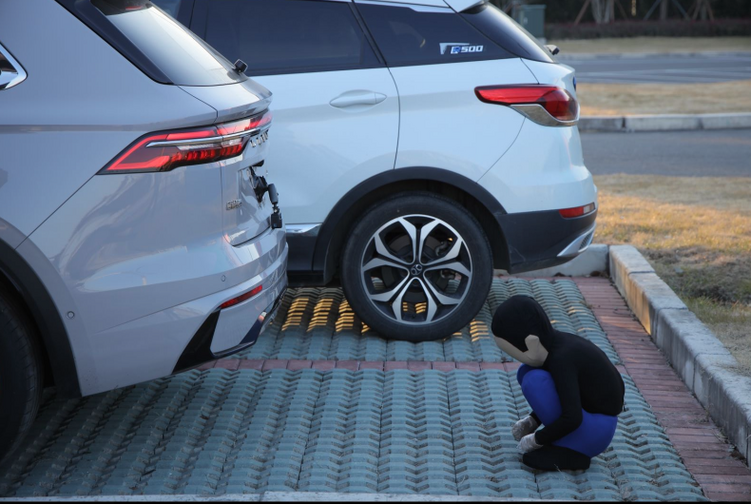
{"points": [[705, 365], [666, 122], [591, 262]]}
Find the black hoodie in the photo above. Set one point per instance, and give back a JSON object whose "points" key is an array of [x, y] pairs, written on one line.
{"points": [[583, 375]]}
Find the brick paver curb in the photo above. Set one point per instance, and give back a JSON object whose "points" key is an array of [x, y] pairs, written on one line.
{"points": [[705, 451], [330, 365], [705, 365]]}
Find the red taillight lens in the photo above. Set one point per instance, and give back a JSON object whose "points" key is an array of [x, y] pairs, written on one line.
{"points": [[570, 213], [240, 299], [556, 101], [168, 150]]}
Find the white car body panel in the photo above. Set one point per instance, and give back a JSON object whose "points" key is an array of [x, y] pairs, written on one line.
{"points": [[444, 125], [543, 170], [553, 74], [322, 151]]}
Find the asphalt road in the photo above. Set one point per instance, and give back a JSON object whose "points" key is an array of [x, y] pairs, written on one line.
{"points": [[701, 68], [722, 153]]}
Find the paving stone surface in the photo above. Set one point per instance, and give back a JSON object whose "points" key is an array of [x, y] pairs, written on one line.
{"points": [[320, 406], [319, 324], [219, 432]]}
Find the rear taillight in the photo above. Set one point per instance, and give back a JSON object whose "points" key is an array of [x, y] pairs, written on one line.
{"points": [[241, 298], [546, 105], [164, 151], [570, 213]]}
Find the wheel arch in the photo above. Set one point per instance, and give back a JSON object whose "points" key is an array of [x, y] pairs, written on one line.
{"points": [[472, 196], [17, 276]]}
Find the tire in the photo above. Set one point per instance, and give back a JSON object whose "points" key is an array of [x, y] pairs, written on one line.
{"points": [[20, 375], [400, 290]]}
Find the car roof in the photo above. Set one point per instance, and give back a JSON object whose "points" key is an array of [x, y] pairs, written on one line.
{"points": [[457, 5]]}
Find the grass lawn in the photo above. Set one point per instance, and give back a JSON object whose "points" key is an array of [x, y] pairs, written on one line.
{"points": [[696, 233], [629, 99]]}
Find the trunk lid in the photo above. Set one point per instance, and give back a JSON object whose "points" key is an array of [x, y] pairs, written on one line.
{"points": [[246, 210]]}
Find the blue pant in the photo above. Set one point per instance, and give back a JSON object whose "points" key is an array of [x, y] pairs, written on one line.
{"points": [[594, 434]]}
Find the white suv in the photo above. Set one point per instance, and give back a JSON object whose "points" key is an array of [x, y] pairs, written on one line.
{"points": [[417, 146]]}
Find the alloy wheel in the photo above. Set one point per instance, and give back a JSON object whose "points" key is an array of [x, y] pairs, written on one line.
{"points": [[416, 269]]}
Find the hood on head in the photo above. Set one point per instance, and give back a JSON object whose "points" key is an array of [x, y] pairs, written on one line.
{"points": [[518, 317]]}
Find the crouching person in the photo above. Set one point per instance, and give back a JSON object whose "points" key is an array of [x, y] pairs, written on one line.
{"points": [[575, 392]]}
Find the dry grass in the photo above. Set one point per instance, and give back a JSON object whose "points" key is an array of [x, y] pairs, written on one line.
{"points": [[629, 99], [731, 323], [654, 45], [696, 232]]}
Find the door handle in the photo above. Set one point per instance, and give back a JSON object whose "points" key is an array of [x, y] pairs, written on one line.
{"points": [[353, 98]]}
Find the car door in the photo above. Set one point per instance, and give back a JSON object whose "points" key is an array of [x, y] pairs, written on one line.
{"points": [[335, 104], [437, 59]]}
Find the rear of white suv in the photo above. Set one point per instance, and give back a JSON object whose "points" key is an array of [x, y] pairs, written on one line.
{"points": [[418, 145]]}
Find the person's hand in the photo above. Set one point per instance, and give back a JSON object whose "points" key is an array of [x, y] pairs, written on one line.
{"points": [[523, 427], [528, 444]]}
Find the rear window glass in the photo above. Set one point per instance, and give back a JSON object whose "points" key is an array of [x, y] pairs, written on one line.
{"points": [[283, 36], [506, 32], [169, 6], [155, 42], [425, 35]]}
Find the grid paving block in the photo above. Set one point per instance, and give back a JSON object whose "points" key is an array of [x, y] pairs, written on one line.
{"points": [[318, 324], [216, 432]]}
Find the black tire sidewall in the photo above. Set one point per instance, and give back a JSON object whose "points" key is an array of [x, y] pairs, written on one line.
{"points": [[20, 375], [423, 203]]}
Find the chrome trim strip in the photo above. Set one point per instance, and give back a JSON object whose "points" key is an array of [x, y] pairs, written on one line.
{"points": [[538, 114], [303, 229], [572, 249], [201, 141], [11, 71]]}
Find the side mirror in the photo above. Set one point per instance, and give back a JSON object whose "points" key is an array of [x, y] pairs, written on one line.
{"points": [[553, 49]]}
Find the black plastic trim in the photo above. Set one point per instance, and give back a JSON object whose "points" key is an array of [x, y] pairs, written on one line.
{"points": [[47, 318], [323, 264], [301, 251], [536, 238], [368, 35], [198, 350]]}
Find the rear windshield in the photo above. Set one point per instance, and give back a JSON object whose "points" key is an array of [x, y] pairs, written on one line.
{"points": [[155, 42], [507, 33]]}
